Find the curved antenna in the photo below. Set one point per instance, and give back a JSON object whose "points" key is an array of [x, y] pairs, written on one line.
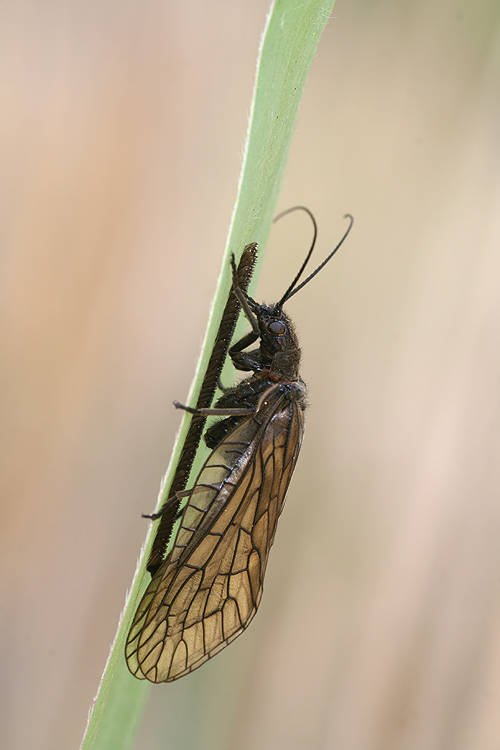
{"points": [[289, 291]]}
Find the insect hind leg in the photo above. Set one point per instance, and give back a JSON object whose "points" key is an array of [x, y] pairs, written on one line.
{"points": [[168, 505]]}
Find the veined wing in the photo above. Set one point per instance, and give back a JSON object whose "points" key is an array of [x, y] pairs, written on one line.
{"points": [[209, 587]]}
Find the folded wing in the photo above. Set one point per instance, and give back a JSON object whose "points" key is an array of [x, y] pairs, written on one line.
{"points": [[208, 588]]}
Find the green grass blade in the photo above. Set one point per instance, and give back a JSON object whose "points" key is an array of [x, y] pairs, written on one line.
{"points": [[292, 32]]}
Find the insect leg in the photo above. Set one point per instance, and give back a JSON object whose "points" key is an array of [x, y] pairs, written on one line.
{"points": [[168, 505], [244, 302], [248, 339], [215, 412], [222, 387]]}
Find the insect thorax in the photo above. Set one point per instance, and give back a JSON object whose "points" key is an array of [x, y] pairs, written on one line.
{"points": [[247, 394]]}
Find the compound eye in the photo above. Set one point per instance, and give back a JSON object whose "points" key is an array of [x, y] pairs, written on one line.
{"points": [[277, 327]]}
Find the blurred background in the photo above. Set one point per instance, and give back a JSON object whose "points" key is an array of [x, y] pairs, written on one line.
{"points": [[122, 128]]}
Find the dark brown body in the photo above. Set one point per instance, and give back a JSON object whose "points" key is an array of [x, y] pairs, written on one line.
{"points": [[207, 590]]}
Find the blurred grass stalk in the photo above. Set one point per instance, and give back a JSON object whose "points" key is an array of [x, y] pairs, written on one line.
{"points": [[288, 44]]}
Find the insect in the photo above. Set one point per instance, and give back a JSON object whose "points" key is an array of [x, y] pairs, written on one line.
{"points": [[209, 586]]}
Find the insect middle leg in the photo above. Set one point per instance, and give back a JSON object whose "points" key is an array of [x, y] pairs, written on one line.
{"points": [[216, 411]]}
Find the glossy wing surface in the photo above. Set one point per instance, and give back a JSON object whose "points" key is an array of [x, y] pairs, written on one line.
{"points": [[209, 587]]}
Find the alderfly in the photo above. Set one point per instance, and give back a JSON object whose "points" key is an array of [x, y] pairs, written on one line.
{"points": [[207, 589]]}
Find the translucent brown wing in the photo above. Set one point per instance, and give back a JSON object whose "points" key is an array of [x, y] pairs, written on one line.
{"points": [[209, 587]]}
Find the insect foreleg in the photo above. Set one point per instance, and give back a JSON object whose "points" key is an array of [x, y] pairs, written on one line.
{"points": [[247, 361], [248, 339], [245, 303], [222, 387]]}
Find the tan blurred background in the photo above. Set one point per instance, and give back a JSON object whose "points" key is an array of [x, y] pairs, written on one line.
{"points": [[122, 127]]}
